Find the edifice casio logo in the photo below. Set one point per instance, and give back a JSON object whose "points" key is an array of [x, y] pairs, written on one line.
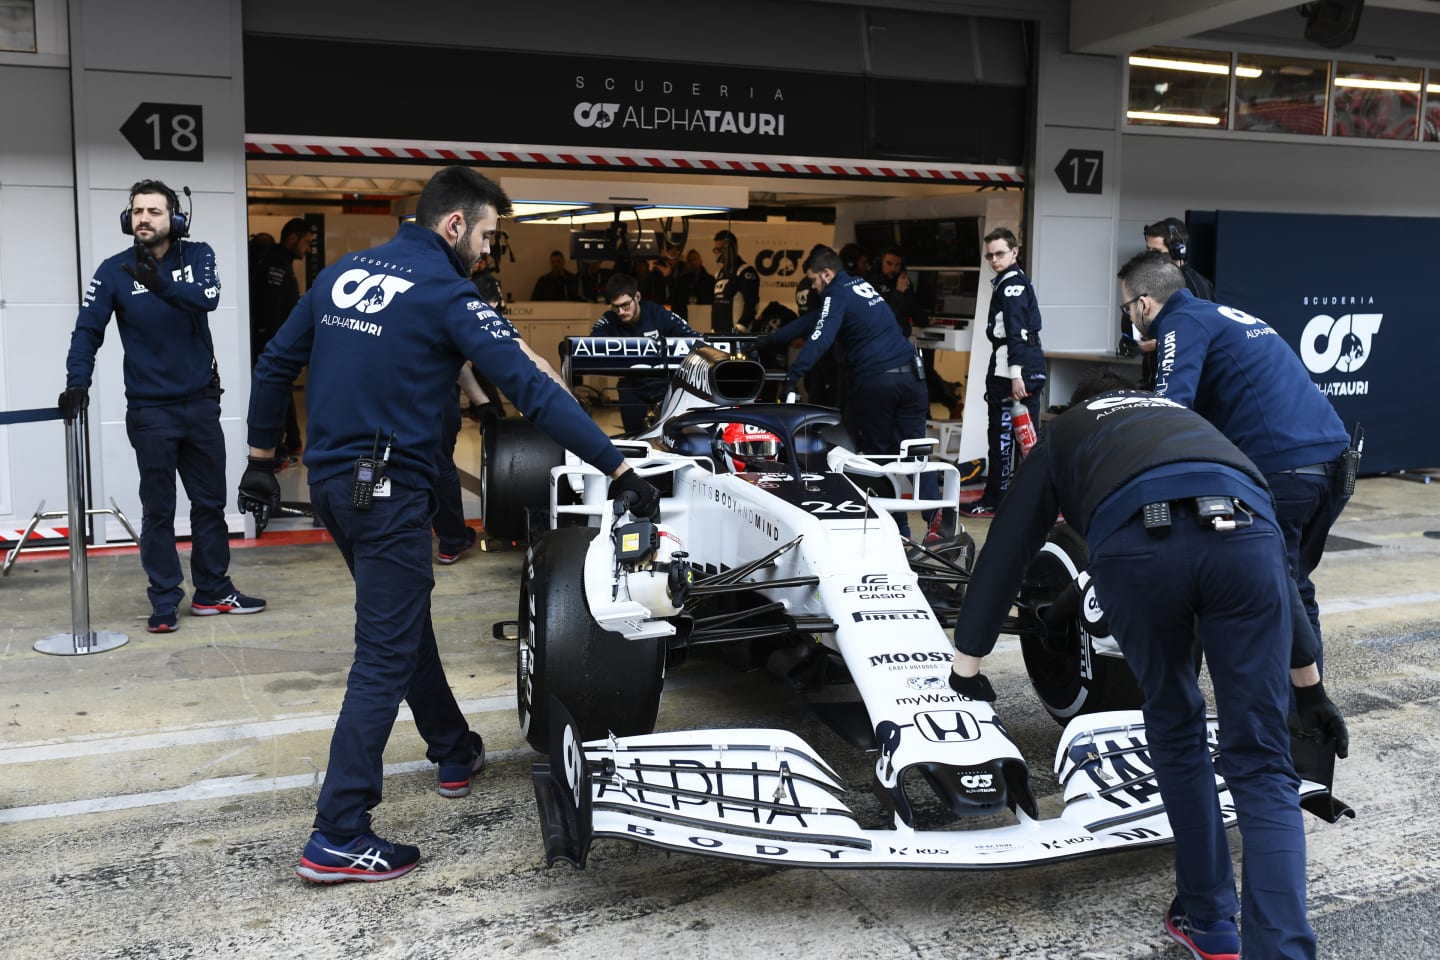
{"points": [[366, 292]]}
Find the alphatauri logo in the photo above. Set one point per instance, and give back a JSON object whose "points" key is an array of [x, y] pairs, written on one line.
{"points": [[367, 292], [599, 115], [1344, 344]]}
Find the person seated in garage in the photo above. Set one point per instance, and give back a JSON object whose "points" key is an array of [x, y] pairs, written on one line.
{"points": [[630, 316]]}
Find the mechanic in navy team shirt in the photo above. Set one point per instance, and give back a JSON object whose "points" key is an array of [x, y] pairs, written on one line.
{"points": [[1017, 362], [630, 316], [384, 332], [1106, 462], [161, 292], [887, 399], [1235, 371]]}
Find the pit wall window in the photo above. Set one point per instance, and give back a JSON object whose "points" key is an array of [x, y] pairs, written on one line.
{"points": [[17, 26], [1177, 88]]}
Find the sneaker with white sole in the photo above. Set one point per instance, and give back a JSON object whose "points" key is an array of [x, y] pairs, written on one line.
{"points": [[209, 605], [366, 858], [1220, 941]]}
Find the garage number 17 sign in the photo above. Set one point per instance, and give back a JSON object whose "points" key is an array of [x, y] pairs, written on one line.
{"points": [[167, 131], [1082, 171]]}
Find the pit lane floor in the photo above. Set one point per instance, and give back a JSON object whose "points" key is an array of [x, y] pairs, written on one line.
{"points": [[154, 799]]}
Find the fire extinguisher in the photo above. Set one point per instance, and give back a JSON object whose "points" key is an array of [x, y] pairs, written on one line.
{"points": [[1024, 429]]}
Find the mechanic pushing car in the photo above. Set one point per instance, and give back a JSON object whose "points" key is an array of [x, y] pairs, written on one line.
{"points": [[384, 332], [630, 316], [1183, 542], [887, 398]]}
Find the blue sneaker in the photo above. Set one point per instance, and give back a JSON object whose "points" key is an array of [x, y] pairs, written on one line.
{"points": [[365, 857], [1221, 941], [455, 777]]}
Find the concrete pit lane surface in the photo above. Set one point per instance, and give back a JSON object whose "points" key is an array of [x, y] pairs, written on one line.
{"points": [[154, 799]]}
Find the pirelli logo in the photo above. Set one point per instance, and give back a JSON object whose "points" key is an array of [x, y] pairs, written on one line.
{"points": [[863, 616]]}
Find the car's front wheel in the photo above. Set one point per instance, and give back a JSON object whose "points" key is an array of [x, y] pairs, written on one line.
{"points": [[1066, 670], [608, 684]]}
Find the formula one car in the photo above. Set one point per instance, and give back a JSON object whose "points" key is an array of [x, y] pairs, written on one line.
{"points": [[778, 541]]}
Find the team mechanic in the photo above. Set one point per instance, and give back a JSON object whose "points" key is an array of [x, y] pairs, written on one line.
{"points": [[629, 316], [161, 293], [1017, 362], [1236, 372], [735, 282], [384, 332], [886, 399], [1183, 542]]}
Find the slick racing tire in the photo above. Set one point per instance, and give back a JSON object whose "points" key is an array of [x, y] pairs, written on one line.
{"points": [[608, 684], [515, 461], [1066, 672]]}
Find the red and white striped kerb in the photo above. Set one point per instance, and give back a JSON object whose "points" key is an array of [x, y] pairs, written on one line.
{"points": [[42, 531], [629, 161]]}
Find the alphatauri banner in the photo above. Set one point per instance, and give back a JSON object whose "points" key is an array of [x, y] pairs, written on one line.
{"points": [[1355, 298]]}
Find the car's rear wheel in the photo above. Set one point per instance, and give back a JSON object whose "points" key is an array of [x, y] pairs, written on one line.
{"points": [[1070, 677], [608, 684], [515, 462]]}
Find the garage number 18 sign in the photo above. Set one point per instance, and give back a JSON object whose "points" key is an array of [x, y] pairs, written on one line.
{"points": [[167, 131]]}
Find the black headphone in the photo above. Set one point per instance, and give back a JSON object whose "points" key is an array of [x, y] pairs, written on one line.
{"points": [[1174, 242], [179, 222]]}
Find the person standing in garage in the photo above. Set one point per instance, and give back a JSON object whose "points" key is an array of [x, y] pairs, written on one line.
{"points": [[1183, 542], [384, 332], [1170, 237], [161, 292], [1235, 371], [1017, 363], [737, 288], [630, 316]]}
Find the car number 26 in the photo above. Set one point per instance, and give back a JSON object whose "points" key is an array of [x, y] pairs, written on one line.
{"points": [[822, 507]]}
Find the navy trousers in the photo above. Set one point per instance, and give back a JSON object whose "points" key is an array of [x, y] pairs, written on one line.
{"points": [[387, 549], [884, 409], [449, 507], [1003, 449], [1232, 589], [1306, 507], [185, 438], [636, 396]]}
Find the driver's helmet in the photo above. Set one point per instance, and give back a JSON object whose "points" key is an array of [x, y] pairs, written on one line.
{"points": [[744, 446]]}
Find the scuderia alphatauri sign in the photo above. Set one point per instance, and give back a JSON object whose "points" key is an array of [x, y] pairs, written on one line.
{"points": [[1355, 299]]}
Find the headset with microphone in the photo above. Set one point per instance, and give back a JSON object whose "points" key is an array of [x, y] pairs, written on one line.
{"points": [[1175, 242], [179, 222]]}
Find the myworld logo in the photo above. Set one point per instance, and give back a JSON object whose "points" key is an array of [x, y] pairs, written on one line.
{"points": [[1344, 344]]}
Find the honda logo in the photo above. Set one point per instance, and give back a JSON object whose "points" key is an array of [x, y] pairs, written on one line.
{"points": [[947, 726]]}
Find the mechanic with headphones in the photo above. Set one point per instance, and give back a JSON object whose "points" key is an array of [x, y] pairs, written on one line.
{"points": [[1183, 542], [161, 292], [630, 316], [1170, 237], [385, 332], [1235, 371]]}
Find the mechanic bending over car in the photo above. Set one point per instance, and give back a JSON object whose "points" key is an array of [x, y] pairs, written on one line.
{"points": [[1183, 542], [629, 316], [384, 332], [887, 397], [1236, 372]]}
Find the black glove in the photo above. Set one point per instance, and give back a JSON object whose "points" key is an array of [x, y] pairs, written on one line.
{"points": [[974, 688], [637, 494], [764, 342], [488, 413], [72, 401], [146, 271], [259, 490], [1317, 716]]}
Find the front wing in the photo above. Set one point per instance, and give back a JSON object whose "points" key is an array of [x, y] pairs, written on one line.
{"points": [[765, 796]]}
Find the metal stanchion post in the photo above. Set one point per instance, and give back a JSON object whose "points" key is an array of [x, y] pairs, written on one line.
{"points": [[81, 639]]}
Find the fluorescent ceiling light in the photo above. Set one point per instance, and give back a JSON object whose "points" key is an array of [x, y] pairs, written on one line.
{"points": [[1249, 73], [1432, 88], [1405, 86], [528, 208], [1171, 117], [1191, 66]]}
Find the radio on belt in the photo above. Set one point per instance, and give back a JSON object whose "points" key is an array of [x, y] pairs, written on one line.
{"points": [[369, 473]]}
